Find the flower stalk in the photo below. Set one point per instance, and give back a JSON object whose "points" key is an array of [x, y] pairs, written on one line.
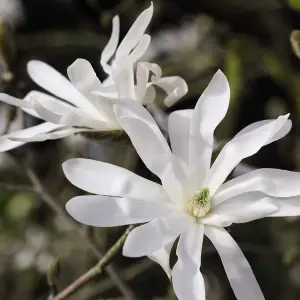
{"points": [[96, 270]]}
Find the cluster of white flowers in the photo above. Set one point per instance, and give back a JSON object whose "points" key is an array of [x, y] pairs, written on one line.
{"points": [[193, 199], [88, 102]]}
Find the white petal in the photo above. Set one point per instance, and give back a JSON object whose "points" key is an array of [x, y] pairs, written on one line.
{"points": [[237, 268], [240, 148], [241, 209], [111, 46], [179, 131], [124, 81], [273, 182], [287, 207], [174, 86], [148, 141], [142, 76], [136, 53], [152, 147], [187, 280], [7, 144], [106, 179], [52, 81], [58, 112], [209, 112], [162, 257], [105, 211], [58, 134], [25, 104], [14, 101], [135, 33], [148, 238], [283, 131]]}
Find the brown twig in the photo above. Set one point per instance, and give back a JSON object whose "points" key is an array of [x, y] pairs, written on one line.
{"points": [[96, 270]]}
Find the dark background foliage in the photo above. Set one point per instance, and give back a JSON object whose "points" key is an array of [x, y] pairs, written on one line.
{"points": [[248, 40]]}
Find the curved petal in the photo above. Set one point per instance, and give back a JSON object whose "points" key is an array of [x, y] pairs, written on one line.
{"points": [[282, 132], [240, 148], [111, 46], [179, 130], [84, 78], [237, 268], [104, 211], [287, 207], [124, 80], [58, 134], [15, 101], [137, 52], [135, 33], [142, 76], [106, 179], [148, 238], [148, 141], [152, 148], [52, 81], [7, 144], [241, 209], [58, 112], [162, 257], [209, 112], [273, 182], [187, 280], [174, 86]]}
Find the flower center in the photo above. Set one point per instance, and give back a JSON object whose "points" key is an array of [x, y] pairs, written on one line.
{"points": [[199, 204]]}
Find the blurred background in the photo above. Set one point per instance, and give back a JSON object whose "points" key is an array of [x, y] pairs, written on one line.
{"points": [[249, 40]]}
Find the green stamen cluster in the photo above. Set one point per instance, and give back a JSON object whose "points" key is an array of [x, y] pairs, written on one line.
{"points": [[199, 204]]}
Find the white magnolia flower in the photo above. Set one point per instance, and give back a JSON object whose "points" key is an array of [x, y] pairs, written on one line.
{"points": [[193, 199], [88, 103]]}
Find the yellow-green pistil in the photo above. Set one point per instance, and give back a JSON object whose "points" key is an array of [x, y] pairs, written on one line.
{"points": [[199, 204]]}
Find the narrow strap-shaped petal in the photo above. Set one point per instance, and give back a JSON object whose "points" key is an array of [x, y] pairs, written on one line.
{"points": [[52, 81], [287, 207], [174, 86], [241, 209], [282, 132], [135, 33], [14, 101], [162, 257], [179, 130], [7, 144], [148, 238], [237, 268], [187, 280], [152, 147], [136, 53], [124, 81], [25, 104], [84, 78], [54, 135], [147, 139], [105, 211], [58, 112], [106, 179], [238, 149], [209, 112], [142, 76], [273, 182], [111, 46]]}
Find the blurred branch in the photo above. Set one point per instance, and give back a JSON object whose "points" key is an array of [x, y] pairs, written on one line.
{"points": [[50, 201], [14, 187], [129, 274], [96, 270]]}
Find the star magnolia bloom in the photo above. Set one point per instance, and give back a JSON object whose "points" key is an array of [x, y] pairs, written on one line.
{"points": [[88, 104], [193, 199]]}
